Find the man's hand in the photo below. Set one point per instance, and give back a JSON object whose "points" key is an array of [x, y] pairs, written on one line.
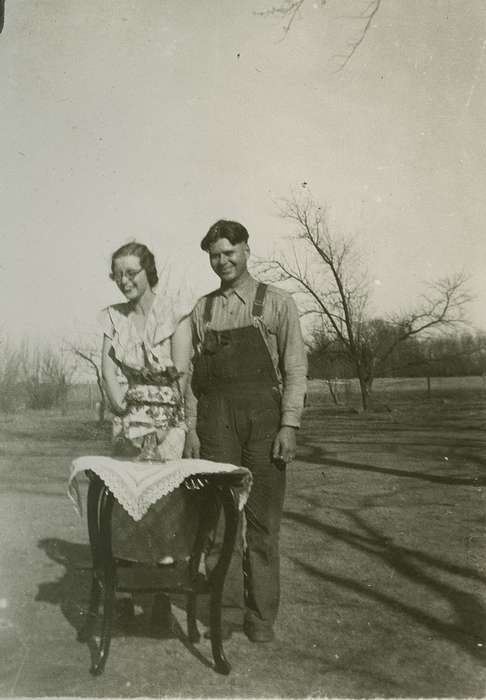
{"points": [[284, 445], [192, 445]]}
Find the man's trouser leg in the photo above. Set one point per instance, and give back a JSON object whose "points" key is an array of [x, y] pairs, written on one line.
{"points": [[240, 430], [263, 515]]}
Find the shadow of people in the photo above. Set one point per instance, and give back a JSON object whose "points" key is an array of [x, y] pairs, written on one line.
{"points": [[71, 590], [132, 617]]}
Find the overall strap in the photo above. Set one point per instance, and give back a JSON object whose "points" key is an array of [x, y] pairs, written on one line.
{"points": [[257, 310], [208, 309]]}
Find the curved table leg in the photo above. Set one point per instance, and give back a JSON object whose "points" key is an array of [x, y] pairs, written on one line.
{"points": [[191, 598], [229, 501], [107, 570], [94, 493], [192, 630]]}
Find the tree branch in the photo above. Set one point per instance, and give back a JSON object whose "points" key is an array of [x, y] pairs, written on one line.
{"points": [[371, 11], [290, 9]]}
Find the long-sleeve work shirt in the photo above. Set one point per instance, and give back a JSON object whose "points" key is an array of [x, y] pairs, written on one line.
{"points": [[281, 331]]}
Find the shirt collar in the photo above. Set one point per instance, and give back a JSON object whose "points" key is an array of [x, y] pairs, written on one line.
{"points": [[244, 288]]}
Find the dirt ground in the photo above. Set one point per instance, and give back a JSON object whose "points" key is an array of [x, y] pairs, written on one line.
{"points": [[383, 564]]}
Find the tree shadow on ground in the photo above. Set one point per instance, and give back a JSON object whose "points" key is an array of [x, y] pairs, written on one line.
{"points": [[71, 592], [449, 442], [464, 604], [316, 455], [469, 630], [376, 544]]}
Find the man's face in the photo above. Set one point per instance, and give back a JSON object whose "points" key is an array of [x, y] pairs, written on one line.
{"points": [[228, 261]]}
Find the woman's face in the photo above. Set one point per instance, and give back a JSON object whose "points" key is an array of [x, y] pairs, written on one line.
{"points": [[130, 277]]}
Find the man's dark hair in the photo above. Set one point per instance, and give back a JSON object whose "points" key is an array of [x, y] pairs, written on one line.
{"points": [[231, 230]]}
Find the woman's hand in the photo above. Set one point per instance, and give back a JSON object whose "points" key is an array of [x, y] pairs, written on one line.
{"points": [[192, 446]]}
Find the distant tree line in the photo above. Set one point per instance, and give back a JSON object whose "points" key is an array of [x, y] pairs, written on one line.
{"points": [[458, 355], [33, 376], [38, 375]]}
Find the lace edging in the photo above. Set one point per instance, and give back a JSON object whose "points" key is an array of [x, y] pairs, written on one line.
{"points": [[137, 508]]}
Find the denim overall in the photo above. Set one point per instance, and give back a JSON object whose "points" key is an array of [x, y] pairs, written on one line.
{"points": [[238, 419]]}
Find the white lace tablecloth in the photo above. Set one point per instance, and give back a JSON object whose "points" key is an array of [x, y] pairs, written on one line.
{"points": [[138, 485]]}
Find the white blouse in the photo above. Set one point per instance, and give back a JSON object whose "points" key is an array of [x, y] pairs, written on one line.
{"points": [[134, 349]]}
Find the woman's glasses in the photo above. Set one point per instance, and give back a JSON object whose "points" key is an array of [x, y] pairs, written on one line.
{"points": [[129, 274]]}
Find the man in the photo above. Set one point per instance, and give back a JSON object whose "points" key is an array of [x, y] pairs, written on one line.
{"points": [[249, 379]]}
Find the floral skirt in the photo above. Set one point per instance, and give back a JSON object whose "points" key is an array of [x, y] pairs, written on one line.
{"points": [[153, 428]]}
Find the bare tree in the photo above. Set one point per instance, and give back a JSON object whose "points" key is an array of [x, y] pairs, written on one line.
{"points": [[90, 353], [290, 9], [10, 376], [46, 375], [331, 283]]}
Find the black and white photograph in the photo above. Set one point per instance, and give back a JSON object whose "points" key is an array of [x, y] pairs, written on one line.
{"points": [[243, 349]]}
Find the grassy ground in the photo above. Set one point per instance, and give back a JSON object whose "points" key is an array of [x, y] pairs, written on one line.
{"points": [[383, 566]]}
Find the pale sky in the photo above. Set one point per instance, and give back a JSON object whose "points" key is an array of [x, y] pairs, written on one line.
{"points": [[150, 119]]}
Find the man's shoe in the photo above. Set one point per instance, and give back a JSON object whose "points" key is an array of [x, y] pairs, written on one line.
{"points": [[259, 633]]}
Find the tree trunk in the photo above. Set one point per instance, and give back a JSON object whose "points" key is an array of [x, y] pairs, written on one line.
{"points": [[365, 385], [332, 391], [102, 404]]}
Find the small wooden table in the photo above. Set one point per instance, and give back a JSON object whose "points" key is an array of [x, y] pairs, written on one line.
{"points": [[111, 574]]}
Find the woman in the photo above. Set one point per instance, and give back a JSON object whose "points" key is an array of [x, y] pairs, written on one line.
{"points": [[145, 359], [146, 353]]}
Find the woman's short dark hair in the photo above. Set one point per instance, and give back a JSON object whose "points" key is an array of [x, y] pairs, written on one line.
{"points": [[231, 230], [147, 260]]}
